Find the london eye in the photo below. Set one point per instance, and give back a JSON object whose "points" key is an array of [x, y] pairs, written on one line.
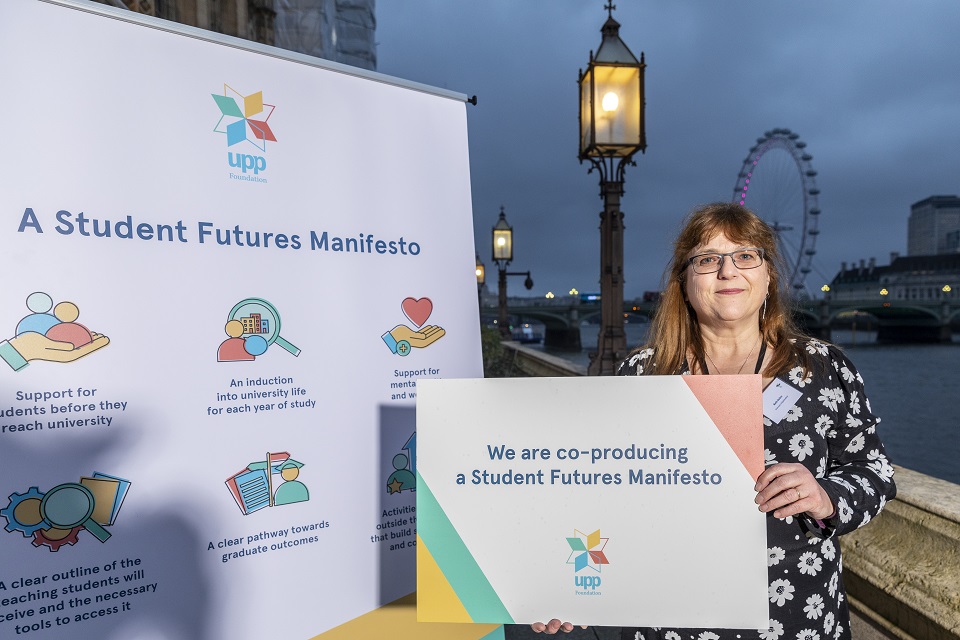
{"points": [[778, 182]]}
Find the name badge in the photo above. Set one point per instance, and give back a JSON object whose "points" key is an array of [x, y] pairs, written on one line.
{"points": [[778, 398]]}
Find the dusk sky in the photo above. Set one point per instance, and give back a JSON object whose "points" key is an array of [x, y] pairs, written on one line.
{"points": [[872, 87]]}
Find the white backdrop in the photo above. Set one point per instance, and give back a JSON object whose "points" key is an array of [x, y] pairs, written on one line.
{"points": [[109, 119]]}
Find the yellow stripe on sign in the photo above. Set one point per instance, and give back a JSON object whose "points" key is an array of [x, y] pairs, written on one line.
{"points": [[442, 602], [398, 621]]}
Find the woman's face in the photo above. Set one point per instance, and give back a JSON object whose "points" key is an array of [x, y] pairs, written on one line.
{"points": [[731, 296]]}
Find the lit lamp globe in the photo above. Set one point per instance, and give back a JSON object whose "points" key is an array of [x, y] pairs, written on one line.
{"points": [[502, 240], [611, 99]]}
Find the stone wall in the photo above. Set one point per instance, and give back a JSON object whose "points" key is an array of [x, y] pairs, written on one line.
{"points": [[903, 569]]}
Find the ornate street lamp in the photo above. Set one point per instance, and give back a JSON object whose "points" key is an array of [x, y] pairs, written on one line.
{"points": [[611, 132], [503, 255], [481, 278]]}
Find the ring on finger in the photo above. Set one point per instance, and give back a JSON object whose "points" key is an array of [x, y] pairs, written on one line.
{"points": [[799, 497]]}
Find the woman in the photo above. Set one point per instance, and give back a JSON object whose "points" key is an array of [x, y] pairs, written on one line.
{"points": [[722, 313]]}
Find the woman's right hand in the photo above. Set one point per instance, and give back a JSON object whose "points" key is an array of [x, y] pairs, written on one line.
{"points": [[552, 627]]}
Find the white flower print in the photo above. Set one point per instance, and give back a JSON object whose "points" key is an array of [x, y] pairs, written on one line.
{"points": [[828, 622], [828, 550], [769, 458], [671, 635], [801, 446], [794, 413], [708, 635], [814, 606], [828, 397], [773, 632], [853, 422], [846, 373], [823, 424], [815, 346], [856, 443], [844, 511], [822, 468], [854, 402], [866, 519], [843, 483], [775, 555], [810, 564], [780, 591], [867, 487], [838, 632], [879, 464], [832, 587], [808, 634], [798, 379]]}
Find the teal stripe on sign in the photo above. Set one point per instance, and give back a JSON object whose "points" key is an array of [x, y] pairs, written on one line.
{"points": [[496, 634], [456, 562]]}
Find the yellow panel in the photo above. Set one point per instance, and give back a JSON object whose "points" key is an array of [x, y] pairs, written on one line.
{"points": [[443, 601], [398, 621], [593, 540], [253, 104]]}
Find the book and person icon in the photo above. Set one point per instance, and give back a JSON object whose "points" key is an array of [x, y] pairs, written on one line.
{"points": [[257, 486]]}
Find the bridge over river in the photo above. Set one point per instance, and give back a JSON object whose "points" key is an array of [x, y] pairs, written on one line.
{"points": [[894, 320]]}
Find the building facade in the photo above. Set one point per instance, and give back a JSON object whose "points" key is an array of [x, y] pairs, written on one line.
{"points": [[338, 30], [934, 226], [906, 278]]}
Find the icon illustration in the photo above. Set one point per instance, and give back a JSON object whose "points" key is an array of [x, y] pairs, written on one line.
{"points": [[255, 487], [252, 326], [49, 333], [402, 339], [404, 475], [55, 518], [241, 126], [586, 551]]}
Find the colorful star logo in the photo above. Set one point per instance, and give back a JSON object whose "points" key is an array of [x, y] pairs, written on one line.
{"points": [[240, 124], [586, 550]]}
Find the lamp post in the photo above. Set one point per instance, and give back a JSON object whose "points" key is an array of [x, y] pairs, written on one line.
{"points": [[611, 132], [481, 278], [503, 255]]}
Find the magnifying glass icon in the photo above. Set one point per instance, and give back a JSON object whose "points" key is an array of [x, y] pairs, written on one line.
{"points": [[261, 326], [70, 505]]}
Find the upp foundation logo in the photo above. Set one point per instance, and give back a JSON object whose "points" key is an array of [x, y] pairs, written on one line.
{"points": [[244, 119], [586, 552]]}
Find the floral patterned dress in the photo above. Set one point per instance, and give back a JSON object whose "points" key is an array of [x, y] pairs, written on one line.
{"points": [[831, 431]]}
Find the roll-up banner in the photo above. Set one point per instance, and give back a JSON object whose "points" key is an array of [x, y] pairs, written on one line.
{"points": [[225, 268]]}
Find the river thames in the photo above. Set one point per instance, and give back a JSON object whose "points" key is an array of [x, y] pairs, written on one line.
{"points": [[911, 387]]}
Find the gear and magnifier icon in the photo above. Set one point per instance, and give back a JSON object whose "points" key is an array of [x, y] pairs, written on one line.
{"points": [[54, 518]]}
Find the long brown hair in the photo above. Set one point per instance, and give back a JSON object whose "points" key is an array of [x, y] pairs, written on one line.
{"points": [[674, 330]]}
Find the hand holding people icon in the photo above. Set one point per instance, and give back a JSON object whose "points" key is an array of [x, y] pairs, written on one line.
{"points": [[55, 337]]}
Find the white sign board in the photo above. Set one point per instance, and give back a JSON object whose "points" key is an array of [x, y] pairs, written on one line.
{"points": [[175, 462], [599, 501]]}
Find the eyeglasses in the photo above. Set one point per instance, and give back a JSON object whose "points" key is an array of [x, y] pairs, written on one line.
{"points": [[713, 262]]}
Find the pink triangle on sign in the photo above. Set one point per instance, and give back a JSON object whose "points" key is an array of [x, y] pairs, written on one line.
{"points": [[735, 404]]}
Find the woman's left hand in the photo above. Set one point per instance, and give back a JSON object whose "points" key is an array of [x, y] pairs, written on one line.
{"points": [[789, 489]]}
